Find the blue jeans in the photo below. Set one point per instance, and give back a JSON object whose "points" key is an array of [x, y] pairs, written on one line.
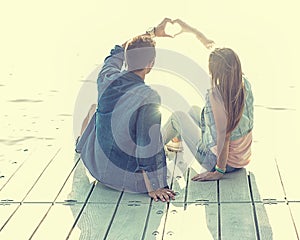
{"points": [[187, 126]]}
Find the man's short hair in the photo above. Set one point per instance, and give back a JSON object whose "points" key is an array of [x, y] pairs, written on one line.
{"points": [[139, 53]]}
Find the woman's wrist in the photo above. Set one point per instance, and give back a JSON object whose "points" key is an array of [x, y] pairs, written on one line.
{"points": [[199, 35], [220, 170]]}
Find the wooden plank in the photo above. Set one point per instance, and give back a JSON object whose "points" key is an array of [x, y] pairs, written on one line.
{"points": [[58, 222], [60, 167], [135, 213], [74, 194], [135, 198], [97, 215], [237, 221], [19, 186], [191, 221], [53, 178], [262, 170], [22, 182], [275, 221], [21, 226], [156, 221], [6, 211], [171, 162], [77, 187], [289, 177], [179, 179], [13, 159], [233, 187], [94, 221], [261, 189], [295, 211], [200, 192], [104, 194], [286, 151]]}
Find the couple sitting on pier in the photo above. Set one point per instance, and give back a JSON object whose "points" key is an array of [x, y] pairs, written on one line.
{"points": [[123, 143]]}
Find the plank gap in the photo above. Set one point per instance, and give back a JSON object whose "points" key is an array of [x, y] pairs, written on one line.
{"points": [[147, 219], [219, 210], [72, 170], [254, 209], [81, 210], [186, 188], [113, 216], [294, 222], [281, 180], [168, 204], [48, 164], [5, 223]]}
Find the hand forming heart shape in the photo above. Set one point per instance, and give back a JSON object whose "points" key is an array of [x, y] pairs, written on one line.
{"points": [[173, 29]]}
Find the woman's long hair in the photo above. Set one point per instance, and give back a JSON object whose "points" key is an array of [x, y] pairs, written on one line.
{"points": [[226, 73]]}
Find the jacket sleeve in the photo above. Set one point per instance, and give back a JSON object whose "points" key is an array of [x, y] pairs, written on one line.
{"points": [[112, 63]]}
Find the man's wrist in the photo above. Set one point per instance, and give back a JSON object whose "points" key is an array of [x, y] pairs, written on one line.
{"points": [[151, 32]]}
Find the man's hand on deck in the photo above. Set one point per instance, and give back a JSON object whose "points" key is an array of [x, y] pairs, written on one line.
{"points": [[162, 194], [208, 176]]}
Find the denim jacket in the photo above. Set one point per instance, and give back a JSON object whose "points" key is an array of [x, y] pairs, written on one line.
{"points": [[128, 126], [209, 135]]}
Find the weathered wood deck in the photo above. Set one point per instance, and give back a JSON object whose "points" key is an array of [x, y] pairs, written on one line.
{"points": [[50, 196]]}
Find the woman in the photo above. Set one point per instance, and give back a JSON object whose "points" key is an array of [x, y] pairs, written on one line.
{"points": [[220, 137]]}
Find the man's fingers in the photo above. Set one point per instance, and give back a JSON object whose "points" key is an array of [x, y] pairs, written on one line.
{"points": [[166, 20], [171, 191], [166, 197], [163, 195]]}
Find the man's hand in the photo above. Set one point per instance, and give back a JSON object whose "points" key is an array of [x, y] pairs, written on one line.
{"points": [[162, 194], [208, 176], [160, 29]]}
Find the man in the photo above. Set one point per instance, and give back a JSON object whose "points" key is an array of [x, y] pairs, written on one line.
{"points": [[122, 145]]}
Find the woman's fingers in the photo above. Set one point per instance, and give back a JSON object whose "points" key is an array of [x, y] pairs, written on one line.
{"points": [[176, 34], [200, 177]]}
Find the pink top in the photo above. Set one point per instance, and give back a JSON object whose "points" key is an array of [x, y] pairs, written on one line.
{"points": [[239, 151]]}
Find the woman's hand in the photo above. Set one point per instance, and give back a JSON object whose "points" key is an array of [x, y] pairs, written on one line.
{"points": [[207, 43], [208, 176], [184, 26], [187, 28], [160, 29], [163, 194]]}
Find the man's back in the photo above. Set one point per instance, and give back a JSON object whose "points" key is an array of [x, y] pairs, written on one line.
{"points": [[123, 138], [117, 118]]}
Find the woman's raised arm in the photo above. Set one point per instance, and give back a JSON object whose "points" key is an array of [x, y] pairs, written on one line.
{"points": [[187, 28]]}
